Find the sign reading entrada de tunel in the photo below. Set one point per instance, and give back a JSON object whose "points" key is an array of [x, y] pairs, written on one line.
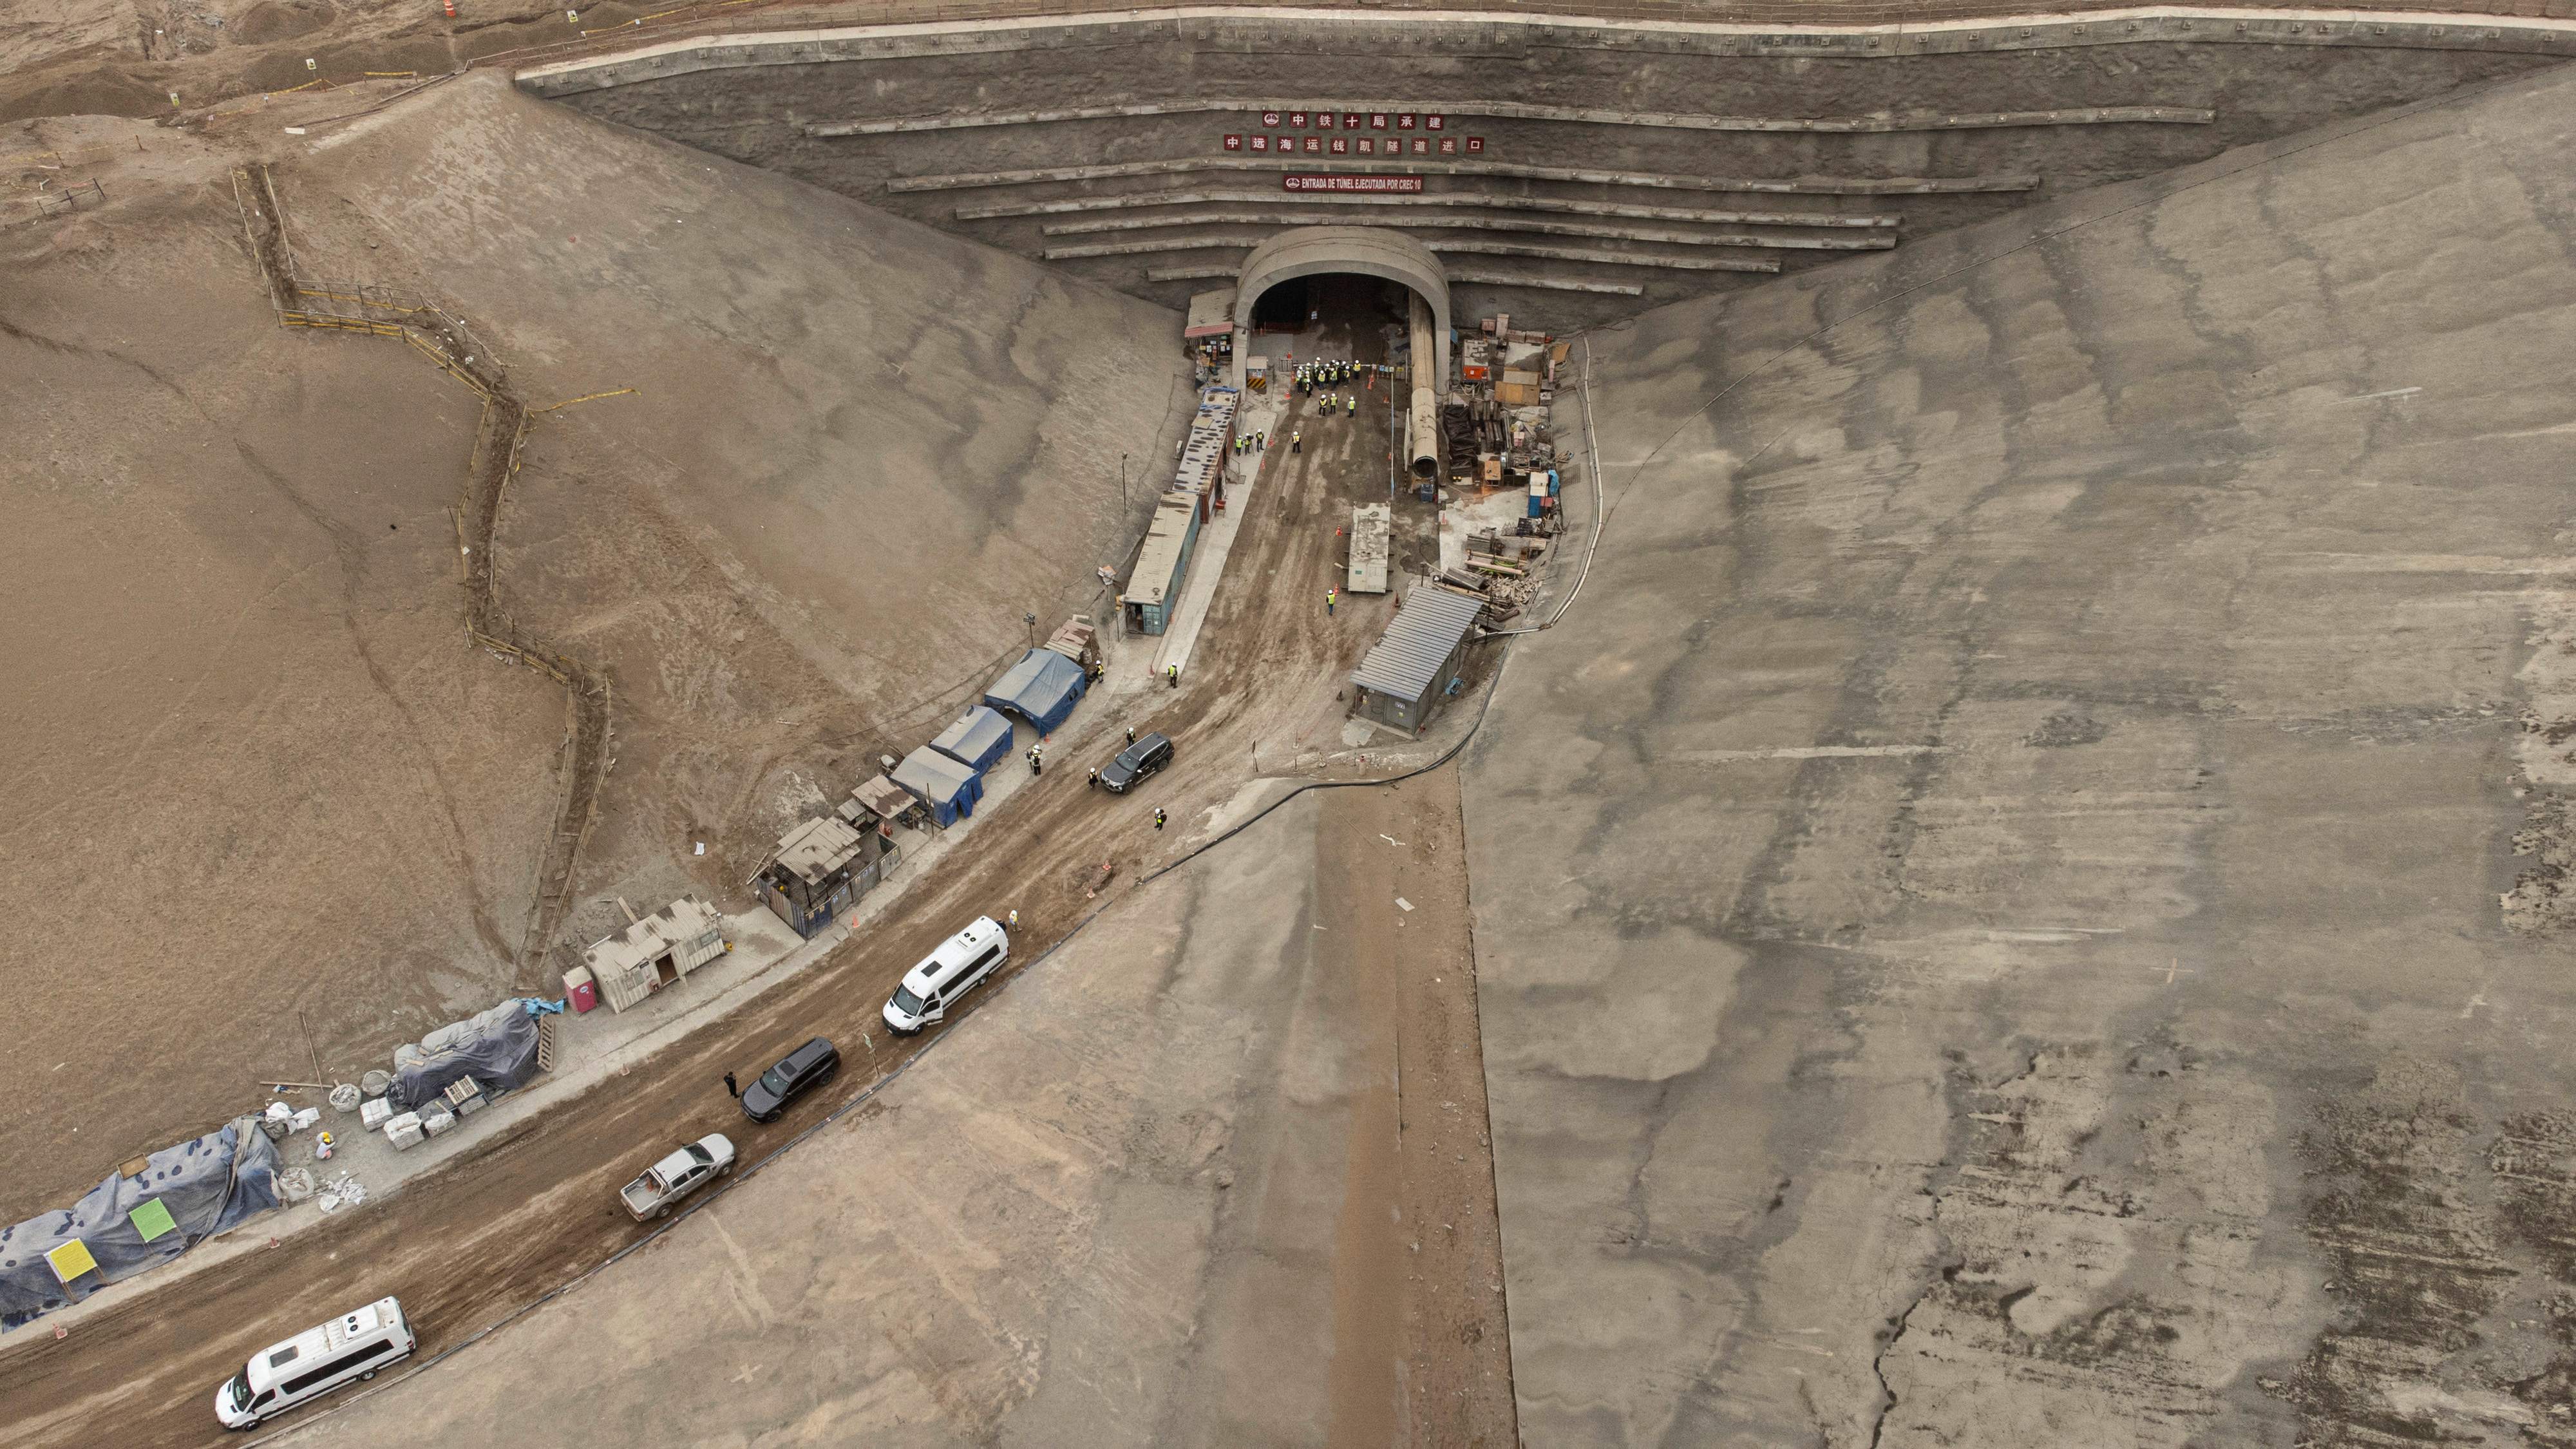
{"points": [[1350, 183]]}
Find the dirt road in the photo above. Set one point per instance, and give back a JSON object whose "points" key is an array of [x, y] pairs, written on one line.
{"points": [[467, 1246], [1421, 1342]]}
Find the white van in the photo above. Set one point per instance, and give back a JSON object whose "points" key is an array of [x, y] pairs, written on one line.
{"points": [[313, 1363], [962, 961]]}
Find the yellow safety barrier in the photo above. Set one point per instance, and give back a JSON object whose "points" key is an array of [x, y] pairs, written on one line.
{"points": [[389, 74], [585, 397], [359, 298], [52, 159], [343, 324]]}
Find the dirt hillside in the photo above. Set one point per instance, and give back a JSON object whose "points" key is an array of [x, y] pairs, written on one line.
{"points": [[858, 454], [268, 772], [253, 765]]}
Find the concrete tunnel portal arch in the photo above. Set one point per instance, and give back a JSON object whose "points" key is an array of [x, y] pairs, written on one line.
{"points": [[1369, 251]]}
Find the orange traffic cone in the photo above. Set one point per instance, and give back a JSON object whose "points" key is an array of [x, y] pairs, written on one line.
{"points": [[451, 9]]}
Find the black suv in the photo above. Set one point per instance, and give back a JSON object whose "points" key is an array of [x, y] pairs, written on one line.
{"points": [[1136, 762], [805, 1068]]}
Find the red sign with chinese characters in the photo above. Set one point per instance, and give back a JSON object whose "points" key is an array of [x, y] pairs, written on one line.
{"points": [[1401, 121], [1400, 184]]}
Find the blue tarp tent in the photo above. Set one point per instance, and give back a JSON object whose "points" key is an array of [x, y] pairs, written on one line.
{"points": [[1041, 689], [947, 787], [205, 1185], [978, 740]]}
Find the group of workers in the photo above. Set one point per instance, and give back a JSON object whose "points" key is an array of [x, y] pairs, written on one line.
{"points": [[1312, 375]]}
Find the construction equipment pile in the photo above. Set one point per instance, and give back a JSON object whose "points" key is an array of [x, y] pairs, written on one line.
{"points": [[1502, 465]]}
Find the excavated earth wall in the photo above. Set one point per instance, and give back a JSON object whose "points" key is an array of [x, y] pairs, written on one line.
{"points": [[2025, 905], [787, 101]]}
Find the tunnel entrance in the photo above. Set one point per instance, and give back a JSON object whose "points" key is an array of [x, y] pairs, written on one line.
{"points": [[1321, 261], [1335, 314]]}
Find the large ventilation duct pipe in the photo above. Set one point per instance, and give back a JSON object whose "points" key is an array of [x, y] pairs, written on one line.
{"points": [[1424, 447]]}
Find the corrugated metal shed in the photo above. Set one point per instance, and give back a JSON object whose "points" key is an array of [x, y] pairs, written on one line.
{"points": [[1426, 632], [655, 951], [816, 848], [1371, 524], [876, 799]]}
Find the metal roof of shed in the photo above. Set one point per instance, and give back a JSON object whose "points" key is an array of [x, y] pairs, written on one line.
{"points": [[1211, 314], [816, 848], [1168, 535], [677, 924], [1406, 659]]}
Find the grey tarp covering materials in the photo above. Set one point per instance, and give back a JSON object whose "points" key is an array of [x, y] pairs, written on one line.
{"points": [[948, 788], [979, 738], [1042, 689], [1426, 631], [208, 1184], [497, 1048]]}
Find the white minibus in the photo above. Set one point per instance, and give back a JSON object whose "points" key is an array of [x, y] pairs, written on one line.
{"points": [[961, 962], [313, 1363]]}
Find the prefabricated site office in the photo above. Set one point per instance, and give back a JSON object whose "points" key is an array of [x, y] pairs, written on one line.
{"points": [[1198, 488], [1420, 659], [654, 952]]}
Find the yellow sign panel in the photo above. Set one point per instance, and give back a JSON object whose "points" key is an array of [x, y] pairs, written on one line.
{"points": [[71, 1260]]}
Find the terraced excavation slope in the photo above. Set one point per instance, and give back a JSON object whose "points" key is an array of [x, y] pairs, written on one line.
{"points": [[858, 454], [2024, 905]]}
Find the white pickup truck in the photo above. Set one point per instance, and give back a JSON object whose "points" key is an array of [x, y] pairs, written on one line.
{"points": [[678, 1175]]}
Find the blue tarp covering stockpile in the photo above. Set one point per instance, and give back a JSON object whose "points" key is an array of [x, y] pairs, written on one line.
{"points": [[948, 788], [978, 740], [1042, 689], [207, 1183]]}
